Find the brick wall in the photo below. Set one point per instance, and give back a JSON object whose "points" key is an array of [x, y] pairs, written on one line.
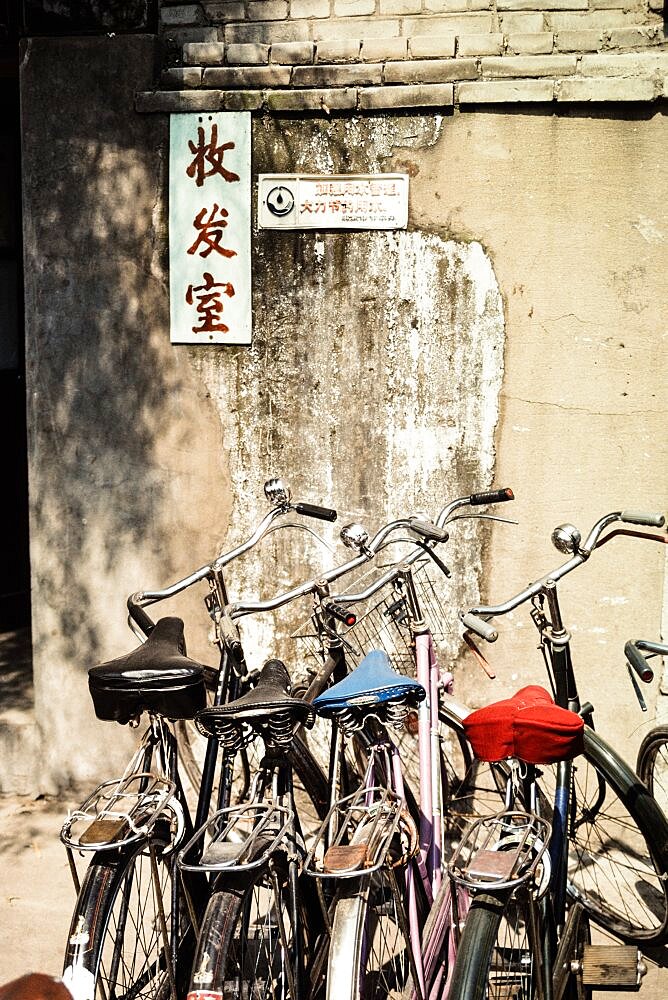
{"points": [[366, 54]]}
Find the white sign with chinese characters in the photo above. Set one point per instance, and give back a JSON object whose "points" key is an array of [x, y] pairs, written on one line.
{"points": [[209, 228], [334, 201]]}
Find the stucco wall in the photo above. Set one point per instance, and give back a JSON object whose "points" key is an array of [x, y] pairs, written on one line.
{"points": [[139, 450]]}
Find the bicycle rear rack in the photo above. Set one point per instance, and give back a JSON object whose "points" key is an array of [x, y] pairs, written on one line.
{"points": [[356, 835], [119, 812], [502, 852], [237, 838]]}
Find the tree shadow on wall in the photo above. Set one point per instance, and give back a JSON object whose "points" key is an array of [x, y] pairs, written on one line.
{"points": [[104, 383]]}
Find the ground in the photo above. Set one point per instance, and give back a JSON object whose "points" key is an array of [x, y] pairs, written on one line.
{"points": [[37, 894]]}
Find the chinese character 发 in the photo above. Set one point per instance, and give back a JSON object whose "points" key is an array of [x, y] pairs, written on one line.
{"points": [[209, 304], [211, 154], [211, 233]]}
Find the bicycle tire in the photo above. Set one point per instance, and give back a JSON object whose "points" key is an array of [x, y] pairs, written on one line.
{"points": [[496, 957], [239, 950], [368, 954], [652, 764], [618, 847], [115, 943]]}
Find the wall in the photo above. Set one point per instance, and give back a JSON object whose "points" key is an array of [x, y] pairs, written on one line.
{"points": [[529, 287], [369, 54], [112, 410]]}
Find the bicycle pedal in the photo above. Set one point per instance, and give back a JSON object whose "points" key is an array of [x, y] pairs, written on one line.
{"points": [[612, 967], [347, 857]]}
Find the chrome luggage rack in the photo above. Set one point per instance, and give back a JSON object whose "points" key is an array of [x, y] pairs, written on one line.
{"points": [[360, 829], [239, 837], [503, 852], [119, 812]]}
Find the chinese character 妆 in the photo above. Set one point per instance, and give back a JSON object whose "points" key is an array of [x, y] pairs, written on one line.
{"points": [[211, 154]]}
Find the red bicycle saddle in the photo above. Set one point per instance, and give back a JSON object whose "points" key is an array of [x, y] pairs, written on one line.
{"points": [[528, 726]]}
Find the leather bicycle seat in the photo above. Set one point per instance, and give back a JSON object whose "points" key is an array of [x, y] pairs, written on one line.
{"points": [[270, 696], [155, 677], [372, 682]]}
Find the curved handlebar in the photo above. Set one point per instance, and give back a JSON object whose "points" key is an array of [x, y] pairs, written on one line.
{"points": [[137, 601], [431, 532], [476, 619]]}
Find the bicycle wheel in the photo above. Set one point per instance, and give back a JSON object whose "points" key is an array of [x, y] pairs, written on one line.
{"points": [[498, 953], [121, 930], [369, 953], [652, 766], [618, 846], [249, 946]]}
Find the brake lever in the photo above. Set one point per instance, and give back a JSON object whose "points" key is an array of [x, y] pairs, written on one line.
{"points": [[480, 657]]}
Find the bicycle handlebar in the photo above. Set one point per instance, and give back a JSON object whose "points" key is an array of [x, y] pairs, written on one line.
{"points": [[282, 505], [477, 618], [638, 662], [430, 531]]}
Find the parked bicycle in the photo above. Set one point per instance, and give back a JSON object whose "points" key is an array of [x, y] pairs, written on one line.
{"points": [[132, 934], [608, 845], [652, 762], [236, 953]]}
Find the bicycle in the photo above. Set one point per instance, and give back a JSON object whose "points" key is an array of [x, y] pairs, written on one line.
{"points": [[652, 761], [213, 964], [253, 940], [518, 939], [131, 934], [615, 836]]}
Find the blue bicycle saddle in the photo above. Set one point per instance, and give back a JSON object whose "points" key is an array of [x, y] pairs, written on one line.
{"points": [[373, 682]]}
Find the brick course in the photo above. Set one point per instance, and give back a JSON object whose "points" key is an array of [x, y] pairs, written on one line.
{"points": [[388, 53]]}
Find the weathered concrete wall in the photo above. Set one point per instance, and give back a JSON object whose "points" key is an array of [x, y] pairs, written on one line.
{"points": [[377, 358], [113, 410], [542, 238], [572, 212]]}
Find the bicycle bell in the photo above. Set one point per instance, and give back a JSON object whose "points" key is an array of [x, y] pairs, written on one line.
{"points": [[277, 492], [355, 536], [566, 538]]}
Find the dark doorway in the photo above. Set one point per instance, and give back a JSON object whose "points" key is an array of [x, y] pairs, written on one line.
{"points": [[14, 562]]}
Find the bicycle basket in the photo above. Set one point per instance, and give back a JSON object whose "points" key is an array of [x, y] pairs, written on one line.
{"points": [[383, 623]]}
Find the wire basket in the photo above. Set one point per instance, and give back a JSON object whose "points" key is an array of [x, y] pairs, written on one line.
{"points": [[383, 621]]}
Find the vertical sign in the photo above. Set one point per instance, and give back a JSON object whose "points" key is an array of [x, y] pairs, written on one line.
{"points": [[209, 228]]}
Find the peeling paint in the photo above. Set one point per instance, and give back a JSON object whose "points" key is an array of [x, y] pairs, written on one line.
{"points": [[372, 385]]}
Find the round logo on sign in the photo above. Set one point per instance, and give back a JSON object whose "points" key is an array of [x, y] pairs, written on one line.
{"points": [[280, 200]]}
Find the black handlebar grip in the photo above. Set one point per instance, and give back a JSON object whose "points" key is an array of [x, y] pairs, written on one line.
{"points": [[341, 614], [638, 517], [491, 496], [638, 662], [427, 529], [311, 510], [139, 616]]}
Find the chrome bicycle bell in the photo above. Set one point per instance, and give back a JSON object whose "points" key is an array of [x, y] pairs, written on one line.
{"points": [[566, 538], [277, 492], [355, 537]]}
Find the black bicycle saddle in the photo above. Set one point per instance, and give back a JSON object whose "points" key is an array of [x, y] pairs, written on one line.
{"points": [[155, 677], [270, 696]]}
